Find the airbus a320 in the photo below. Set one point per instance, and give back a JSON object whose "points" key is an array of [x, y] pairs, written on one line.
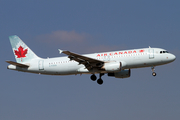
{"points": [[116, 64]]}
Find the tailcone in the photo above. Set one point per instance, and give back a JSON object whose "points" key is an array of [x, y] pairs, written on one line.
{"points": [[11, 67]]}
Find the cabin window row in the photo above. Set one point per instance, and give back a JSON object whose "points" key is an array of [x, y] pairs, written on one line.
{"points": [[61, 62]]}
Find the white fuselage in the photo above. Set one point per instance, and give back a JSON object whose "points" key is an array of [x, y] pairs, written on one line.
{"points": [[135, 58]]}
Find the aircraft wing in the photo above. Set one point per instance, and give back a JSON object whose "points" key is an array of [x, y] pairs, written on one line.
{"points": [[87, 61]]}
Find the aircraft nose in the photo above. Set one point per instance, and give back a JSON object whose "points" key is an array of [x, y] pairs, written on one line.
{"points": [[172, 57]]}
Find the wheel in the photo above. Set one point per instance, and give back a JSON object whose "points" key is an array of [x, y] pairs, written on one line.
{"points": [[154, 74], [93, 77], [100, 81]]}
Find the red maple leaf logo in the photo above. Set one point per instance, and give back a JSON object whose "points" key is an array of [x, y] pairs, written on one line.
{"points": [[21, 52]]}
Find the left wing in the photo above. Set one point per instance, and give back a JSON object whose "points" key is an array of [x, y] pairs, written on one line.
{"points": [[86, 61]]}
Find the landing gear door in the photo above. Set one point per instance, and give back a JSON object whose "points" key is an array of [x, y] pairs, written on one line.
{"points": [[151, 53], [41, 65]]}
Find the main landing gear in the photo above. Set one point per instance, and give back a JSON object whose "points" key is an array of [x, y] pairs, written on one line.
{"points": [[93, 77], [153, 73], [99, 81]]}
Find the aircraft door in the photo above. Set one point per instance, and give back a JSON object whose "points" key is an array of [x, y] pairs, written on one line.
{"points": [[151, 53], [41, 65]]}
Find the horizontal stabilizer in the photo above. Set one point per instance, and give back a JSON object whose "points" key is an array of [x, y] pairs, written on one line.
{"points": [[18, 64]]}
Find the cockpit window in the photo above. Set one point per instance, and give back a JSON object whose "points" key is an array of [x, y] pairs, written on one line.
{"points": [[163, 52]]}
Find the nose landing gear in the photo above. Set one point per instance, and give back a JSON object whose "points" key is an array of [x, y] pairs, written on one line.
{"points": [[152, 68], [99, 81]]}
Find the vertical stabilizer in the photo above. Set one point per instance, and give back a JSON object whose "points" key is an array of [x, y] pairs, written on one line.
{"points": [[21, 51]]}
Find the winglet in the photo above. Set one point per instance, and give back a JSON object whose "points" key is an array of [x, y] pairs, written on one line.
{"points": [[60, 51]]}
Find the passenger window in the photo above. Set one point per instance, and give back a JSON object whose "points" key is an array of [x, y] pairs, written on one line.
{"points": [[164, 52], [160, 52]]}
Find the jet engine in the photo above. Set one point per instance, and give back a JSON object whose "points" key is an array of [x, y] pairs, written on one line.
{"points": [[122, 74]]}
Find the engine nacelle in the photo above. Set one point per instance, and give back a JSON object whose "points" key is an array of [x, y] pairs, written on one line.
{"points": [[122, 74], [112, 66]]}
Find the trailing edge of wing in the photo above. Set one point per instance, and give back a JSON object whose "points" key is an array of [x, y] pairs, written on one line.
{"points": [[18, 64]]}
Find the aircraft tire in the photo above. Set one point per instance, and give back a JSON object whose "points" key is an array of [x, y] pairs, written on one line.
{"points": [[154, 74], [93, 77], [100, 81]]}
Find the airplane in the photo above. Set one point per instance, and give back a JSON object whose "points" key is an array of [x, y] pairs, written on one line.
{"points": [[116, 64]]}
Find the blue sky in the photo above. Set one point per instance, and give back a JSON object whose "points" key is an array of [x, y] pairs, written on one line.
{"points": [[84, 27]]}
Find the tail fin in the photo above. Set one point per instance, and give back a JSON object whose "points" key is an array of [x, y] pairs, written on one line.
{"points": [[21, 51]]}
